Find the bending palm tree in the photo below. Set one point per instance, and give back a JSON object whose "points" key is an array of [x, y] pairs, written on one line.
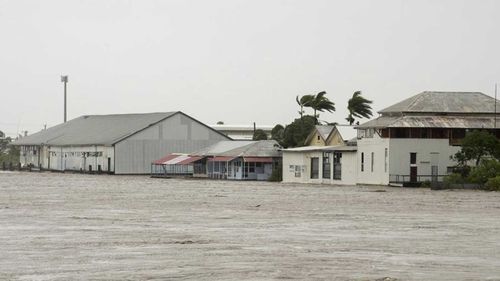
{"points": [[321, 103], [358, 107], [304, 101]]}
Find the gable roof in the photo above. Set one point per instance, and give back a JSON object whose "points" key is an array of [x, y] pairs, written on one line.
{"points": [[97, 129], [323, 130], [444, 102]]}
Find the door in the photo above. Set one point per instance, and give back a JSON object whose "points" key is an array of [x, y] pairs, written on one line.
{"points": [[413, 174], [109, 164], [413, 167]]}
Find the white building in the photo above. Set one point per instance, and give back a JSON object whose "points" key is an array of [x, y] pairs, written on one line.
{"points": [[320, 164], [242, 132], [119, 143], [409, 143]]}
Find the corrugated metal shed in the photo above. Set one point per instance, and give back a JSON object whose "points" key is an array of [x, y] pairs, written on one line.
{"points": [[444, 102], [94, 129]]}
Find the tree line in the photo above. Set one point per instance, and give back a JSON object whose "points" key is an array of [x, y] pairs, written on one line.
{"points": [[295, 133]]}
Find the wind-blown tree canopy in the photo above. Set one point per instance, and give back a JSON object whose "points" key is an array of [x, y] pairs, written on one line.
{"points": [[304, 101], [296, 133], [321, 103], [277, 133], [478, 145], [358, 107], [259, 134]]}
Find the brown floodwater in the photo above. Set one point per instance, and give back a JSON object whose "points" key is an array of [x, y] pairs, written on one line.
{"points": [[69, 226]]}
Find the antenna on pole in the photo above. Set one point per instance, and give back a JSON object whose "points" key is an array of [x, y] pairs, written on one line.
{"points": [[64, 79]]}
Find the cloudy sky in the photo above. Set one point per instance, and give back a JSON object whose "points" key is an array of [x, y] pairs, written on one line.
{"points": [[233, 60]]}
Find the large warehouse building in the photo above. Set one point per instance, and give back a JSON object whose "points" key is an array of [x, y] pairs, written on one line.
{"points": [[120, 143]]}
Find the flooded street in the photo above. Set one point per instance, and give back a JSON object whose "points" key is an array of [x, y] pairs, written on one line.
{"points": [[69, 226]]}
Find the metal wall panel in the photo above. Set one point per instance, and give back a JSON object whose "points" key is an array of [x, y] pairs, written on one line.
{"points": [[177, 134]]}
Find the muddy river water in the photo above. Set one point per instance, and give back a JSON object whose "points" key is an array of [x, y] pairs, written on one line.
{"points": [[69, 226]]}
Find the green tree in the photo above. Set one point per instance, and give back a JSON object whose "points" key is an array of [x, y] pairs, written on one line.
{"points": [[321, 103], [277, 133], [296, 132], [477, 145], [8, 153], [358, 107], [259, 134], [486, 170]]}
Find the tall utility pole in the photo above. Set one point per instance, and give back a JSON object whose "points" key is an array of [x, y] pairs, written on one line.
{"points": [[64, 79], [495, 127]]}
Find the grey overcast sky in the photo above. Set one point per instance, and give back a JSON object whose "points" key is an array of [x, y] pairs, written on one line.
{"points": [[233, 60]]}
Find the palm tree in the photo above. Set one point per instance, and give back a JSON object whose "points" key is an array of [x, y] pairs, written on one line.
{"points": [[358, 107], [304, 101], [321, 103]]}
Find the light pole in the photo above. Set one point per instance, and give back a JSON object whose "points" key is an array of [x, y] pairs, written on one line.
{"points": [[64, 79], [495, 123]]}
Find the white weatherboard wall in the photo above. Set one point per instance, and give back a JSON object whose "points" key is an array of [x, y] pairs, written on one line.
{"points": [[70, 158], [381, 165], [176, 134], [80, 158], [429, 152], [349, 172], [293, 160], [302, 161]]}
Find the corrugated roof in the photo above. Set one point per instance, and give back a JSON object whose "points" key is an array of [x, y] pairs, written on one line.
{"points": [[94, 129], [445, 102], [467, 122], [264, 148], [324, 130], [347, 132], [322, 148], [221, 147]]}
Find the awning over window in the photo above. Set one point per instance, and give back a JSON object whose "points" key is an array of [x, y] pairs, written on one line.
{"points": [[221, 159], [258, 159]]}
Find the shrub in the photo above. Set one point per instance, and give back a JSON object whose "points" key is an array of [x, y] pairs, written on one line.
{"points": [[486, 170], [277, 174], [426, 184], [493, 184], [453, 179]]}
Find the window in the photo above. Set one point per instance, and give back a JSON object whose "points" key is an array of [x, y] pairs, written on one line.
{"points": [[326, 165], [314, 167], [413, 158], [318, 137], [362, 161], [372, 161], [297, 171], [251, 167], [385, 160], [337, 165]]}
